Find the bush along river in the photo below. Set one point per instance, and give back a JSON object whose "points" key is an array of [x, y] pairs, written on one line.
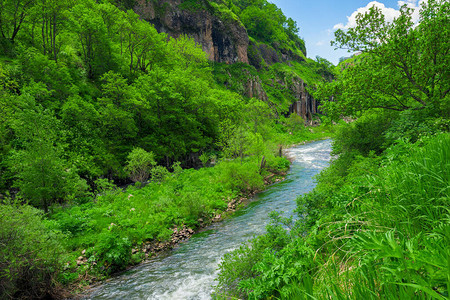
{"points": [[189, 270]]}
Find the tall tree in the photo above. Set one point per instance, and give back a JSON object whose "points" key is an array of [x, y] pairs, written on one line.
{"points": [[144, 45], [92, 32], [402, 65], [12, 15], [50, 15]]}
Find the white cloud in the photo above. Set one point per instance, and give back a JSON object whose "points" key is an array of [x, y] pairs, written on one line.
{"points": [[320, 43], [389, 13]]}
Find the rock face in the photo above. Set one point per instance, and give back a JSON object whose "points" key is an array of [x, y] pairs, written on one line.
{"points": [[223, 40], [254, 87], [303, 105], [306, 105]]}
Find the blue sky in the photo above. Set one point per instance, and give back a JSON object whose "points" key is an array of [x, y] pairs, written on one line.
{"points": [[318, 19]]}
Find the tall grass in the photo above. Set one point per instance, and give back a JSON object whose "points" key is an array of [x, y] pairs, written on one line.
{"points": [[418, 188], [400, 246]]}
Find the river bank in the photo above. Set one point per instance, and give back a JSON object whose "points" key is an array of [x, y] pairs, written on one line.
{"points": [[150, 249], [124, 228], [154, 249], [180, 234], [194, 262]]}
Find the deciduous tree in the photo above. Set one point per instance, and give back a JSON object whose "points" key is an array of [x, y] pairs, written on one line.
{"points": [[12, 15], [402, 65]]}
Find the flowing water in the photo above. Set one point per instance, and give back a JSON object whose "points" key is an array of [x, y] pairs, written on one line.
{"points": [[188, 272]]}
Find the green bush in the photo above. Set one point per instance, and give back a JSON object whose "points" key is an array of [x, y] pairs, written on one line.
{"points": [[31, 255], [112, 251], [266, 264], [364, 135], [243, 177], [278, 163], [412, 125], [139, 164]]}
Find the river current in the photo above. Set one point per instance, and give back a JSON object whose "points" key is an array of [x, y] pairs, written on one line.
{"points": [[188, 271]]}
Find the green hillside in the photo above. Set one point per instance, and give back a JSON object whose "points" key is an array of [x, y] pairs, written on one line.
{"points": [[92, 97]]}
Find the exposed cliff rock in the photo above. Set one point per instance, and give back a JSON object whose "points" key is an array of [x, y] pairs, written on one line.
{"points": [[302, 102], [254, 87], [306, 105], [280, 88], [223, 39]]}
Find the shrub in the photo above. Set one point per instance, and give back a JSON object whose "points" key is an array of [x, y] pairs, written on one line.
{"points": [[413, 125], [159, 174], [364, 135], [112, 252], [265, 264], [243, 177], [139, 164], [278, 163], [31, 255]]}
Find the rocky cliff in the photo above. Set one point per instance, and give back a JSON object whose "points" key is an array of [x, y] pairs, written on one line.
{"points": [[223, 39], [306, 105], [303, 103]]}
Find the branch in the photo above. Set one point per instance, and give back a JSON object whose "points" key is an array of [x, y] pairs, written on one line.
{"points": [[398, 100], [392, 108], [409, 76], [417, 99]]}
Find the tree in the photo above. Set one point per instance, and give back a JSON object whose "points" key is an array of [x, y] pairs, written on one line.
{"points": [[48, 16], [84, 147], [88, 24], [258, 116], [144, 45], [42, 175], [54, 79], [12, 15], [325, 68], [8, 87], [119, 110], [402, 65], [239, 141], [175, 106], [139, 164]]}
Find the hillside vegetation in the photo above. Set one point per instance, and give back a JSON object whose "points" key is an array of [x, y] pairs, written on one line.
{"points": [[93, 98]]}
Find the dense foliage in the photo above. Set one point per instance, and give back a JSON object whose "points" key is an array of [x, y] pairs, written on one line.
{"points": [[93, 97], [266, 23], [110, 83], [31, 254], [377, 224]]}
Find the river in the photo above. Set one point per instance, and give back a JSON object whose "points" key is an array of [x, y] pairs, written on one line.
{"points": [[188, 272]]}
